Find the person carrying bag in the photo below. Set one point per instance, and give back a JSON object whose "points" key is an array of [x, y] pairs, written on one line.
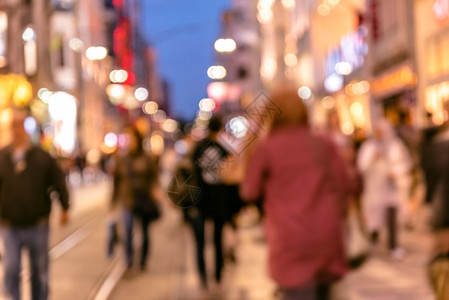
{"points": [[135, 186]]}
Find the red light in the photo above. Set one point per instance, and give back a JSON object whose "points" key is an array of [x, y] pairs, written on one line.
{"points": [[131, 78], [118, 3]]}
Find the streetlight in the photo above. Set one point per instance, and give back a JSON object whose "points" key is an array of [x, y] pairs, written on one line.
{"points": [[118, 76], [96, 53], [225, 45], [216, 72]]}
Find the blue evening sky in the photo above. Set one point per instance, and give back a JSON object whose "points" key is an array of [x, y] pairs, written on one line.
{"points": [[183, 32]]}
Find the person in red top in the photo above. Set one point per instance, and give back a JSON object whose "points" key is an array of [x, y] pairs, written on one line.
{"points": [[302, 181]]}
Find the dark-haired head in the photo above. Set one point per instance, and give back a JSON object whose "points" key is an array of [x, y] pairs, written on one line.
{"points": [[215, 124], [293, 111], [135, 140]]}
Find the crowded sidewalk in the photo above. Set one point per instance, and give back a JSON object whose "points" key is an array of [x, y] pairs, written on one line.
{"points": [[172, 272]]}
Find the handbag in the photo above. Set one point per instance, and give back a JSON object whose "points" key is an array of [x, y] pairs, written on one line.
{"points": [[145, 206]]}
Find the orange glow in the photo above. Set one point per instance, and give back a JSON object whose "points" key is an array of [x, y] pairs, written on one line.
{"points": [[404, 77]]}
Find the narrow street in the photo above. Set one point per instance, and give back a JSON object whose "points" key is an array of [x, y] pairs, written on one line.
{"points": [[80, 268]]}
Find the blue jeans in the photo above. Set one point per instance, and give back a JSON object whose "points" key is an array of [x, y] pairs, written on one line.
{"points": [[128, 220], [35, 240]]}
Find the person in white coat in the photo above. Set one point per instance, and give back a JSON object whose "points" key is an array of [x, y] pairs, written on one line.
{"points": [[385, 165]]}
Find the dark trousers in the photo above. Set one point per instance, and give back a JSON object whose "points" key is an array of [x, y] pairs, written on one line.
{"points": [[128, 220], [197, 222], [391, 216], [35, 239], [320, 292]]}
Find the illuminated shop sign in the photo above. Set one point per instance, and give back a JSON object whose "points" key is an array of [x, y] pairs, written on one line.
{"points": [[404, 77], [342, 60], [352, 51]]}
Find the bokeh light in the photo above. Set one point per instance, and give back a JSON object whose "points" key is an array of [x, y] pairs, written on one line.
{"points": [[207, 104], [216, 72], [305, 92], [141, 94], [150, 107]]}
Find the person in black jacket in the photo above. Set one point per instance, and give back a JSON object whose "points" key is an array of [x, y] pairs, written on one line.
{"points": [[28, 176], [435, 165], [208, 156]]}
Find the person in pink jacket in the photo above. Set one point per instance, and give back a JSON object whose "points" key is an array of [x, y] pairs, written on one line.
{"points": [[302, 180]]}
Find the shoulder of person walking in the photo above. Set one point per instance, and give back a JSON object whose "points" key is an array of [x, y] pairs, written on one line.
{"points": [[28, 182]]}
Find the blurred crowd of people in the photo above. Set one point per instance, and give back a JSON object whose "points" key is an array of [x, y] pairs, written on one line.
{"points": [[324, 197]]}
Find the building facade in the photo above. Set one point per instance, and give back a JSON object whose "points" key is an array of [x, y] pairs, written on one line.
{"points": [[432, 46]]}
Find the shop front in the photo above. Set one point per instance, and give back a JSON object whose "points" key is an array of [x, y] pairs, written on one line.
{"points": [[345, 90], [432, 48], [393, 93]]}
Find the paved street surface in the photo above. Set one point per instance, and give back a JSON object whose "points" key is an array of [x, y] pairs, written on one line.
{"points": [[81, 270]]}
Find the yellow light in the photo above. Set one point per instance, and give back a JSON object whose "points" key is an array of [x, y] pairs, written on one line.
{"points": [[204, 116], [46, 96], [169, 125], [107, 150], [30, 57], [93, 157], [269, 68], [333, 2], [291, 60], [76, 44], [157, 143], [150, 107], [265, 16], [288, 3], [116, 92], [348, 128], [324, 9], [118, 76], [356, 109], [159, 116], [23, 93], [5, 116], [328, 102]]}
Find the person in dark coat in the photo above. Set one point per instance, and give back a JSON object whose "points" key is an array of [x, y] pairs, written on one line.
{"points": [[435, 165], [28, 175], [207, 158]]}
